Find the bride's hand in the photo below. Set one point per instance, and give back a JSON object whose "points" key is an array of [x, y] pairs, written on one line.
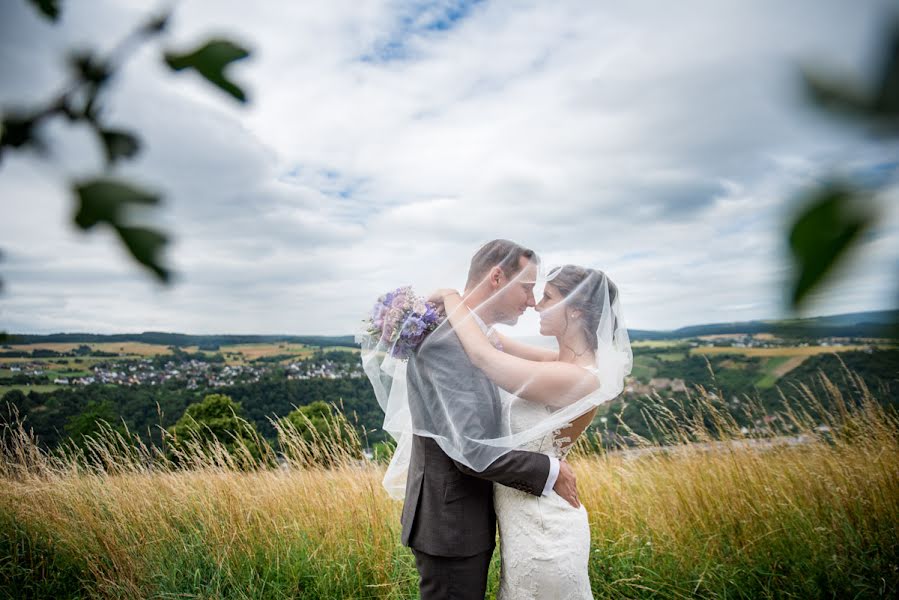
{"points": [[438, 296]]}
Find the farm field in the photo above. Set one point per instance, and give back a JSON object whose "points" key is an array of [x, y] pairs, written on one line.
{"points": [[746, 367], [244, 353], [129, 348], [656, 343], [782, 351], [236, 353], [776, 367]]}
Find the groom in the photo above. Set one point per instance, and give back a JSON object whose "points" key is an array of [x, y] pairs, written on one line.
{"points": [[448, 517]]}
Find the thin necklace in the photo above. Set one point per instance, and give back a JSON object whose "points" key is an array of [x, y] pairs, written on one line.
{"points": [[578, 354]]}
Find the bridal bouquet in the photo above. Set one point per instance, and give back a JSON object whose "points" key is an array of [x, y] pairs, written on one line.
{"points": [[403, 320]]}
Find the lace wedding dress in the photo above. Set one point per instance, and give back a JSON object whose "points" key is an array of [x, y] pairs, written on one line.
{"points": [[544, 541]]}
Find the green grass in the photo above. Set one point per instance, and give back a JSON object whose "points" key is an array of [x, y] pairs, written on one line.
{"points": [[769, 378], [671, 356], [710, 515], [49, 387], [67, 372], [645, 368]]}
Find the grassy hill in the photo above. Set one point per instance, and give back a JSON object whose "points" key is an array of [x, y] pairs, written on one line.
{"points": [[179, 339], [874, 324]]}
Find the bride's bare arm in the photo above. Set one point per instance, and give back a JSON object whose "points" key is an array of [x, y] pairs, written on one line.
{"points": [[527, 351], [553, 383]]}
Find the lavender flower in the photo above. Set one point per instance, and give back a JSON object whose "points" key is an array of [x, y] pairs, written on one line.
{"points": [[401, 320]]}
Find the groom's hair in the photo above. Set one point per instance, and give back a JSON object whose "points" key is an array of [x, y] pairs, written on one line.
{"points": [[498, 253]]}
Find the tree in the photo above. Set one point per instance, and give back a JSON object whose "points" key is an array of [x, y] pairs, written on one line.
{"points": [[313, 420], [214, 423], [89, 422], [318, 433]]}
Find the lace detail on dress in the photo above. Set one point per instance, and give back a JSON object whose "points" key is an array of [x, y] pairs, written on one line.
{"points": [[559, 443], [544, 541], [563, 445]]}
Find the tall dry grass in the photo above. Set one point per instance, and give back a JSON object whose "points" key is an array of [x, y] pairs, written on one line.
{"points": [[701, 510]]}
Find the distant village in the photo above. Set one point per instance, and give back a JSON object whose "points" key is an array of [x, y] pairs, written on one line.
{"points": [[192, 373]]}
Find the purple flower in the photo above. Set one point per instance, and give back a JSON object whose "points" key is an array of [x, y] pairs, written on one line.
{"points": [[402, 320]]}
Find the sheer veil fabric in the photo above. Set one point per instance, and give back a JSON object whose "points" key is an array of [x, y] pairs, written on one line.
{"points": [[466, 425]]}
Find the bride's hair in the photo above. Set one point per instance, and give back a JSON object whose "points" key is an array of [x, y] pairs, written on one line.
{"points": [[581, 289]]}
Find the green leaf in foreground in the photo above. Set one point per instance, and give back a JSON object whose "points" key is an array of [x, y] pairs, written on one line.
{"points": [[886, 98], [20, 132], [210, 61], [90, 68], [107, 201], [145, 246], [118, 144], [877, 105], [49, 8], [822, 234], [839, 96], [157, 24]]}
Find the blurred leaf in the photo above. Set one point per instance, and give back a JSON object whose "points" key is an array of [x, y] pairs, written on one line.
{"points": [[90, 68], [210, 61], [822, 234], [880, 104], [105, 200], [145, 246], [19, 132], [886, 98], [118, 144], [836, 95], [157, 24], [49, 8]]}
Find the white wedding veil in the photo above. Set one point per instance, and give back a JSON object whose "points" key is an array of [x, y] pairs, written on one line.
{"points": [[439, 393]]}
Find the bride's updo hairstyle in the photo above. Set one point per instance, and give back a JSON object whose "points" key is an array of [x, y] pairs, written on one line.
{"points": [[582, 289]]}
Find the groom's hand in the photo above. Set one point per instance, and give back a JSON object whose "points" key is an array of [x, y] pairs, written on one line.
{"points": [[566, 484]]}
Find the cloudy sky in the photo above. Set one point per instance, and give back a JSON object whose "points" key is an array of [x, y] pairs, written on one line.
{"points": [[385, 141]]}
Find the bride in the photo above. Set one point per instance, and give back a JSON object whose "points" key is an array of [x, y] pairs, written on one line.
{"points": [[544, 541]]}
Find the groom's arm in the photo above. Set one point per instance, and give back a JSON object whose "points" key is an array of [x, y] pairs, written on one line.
{"points": [[529, 472]]}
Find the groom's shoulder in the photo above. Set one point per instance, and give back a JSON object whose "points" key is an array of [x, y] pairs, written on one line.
{"points": [[439, 343]]}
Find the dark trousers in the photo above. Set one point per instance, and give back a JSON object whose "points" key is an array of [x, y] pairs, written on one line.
{"points": [[452, 578]]}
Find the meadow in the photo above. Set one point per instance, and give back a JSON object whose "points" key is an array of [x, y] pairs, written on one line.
{"points": [[699, 511]]}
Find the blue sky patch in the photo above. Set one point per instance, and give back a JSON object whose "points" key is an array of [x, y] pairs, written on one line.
{"points": [[418, 20]]}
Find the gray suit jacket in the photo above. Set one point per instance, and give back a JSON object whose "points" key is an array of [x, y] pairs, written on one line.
{"points": [[448, 509]]}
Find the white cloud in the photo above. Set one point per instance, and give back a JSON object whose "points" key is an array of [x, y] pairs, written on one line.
{"points": [[386, 140]]}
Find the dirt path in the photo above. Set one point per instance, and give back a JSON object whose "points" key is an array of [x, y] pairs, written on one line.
{"points": [[788, 366]]}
